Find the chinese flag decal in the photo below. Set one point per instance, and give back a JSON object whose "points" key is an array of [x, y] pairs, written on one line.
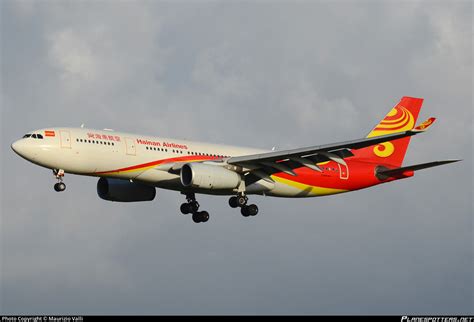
{"points": [[49, 133]]}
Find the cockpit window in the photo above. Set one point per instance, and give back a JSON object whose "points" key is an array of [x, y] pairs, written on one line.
{"points": [[33, 136]]}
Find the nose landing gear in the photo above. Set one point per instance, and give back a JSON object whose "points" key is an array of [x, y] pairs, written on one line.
{"points": [[192, 207], [60, 185]]}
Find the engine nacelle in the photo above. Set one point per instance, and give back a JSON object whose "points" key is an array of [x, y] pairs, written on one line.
{"points": [[206, 176], [124, 190]]}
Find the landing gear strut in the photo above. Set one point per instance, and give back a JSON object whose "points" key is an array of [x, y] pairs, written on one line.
{"points": [[60, 185], [241, 201], [192, 207]]}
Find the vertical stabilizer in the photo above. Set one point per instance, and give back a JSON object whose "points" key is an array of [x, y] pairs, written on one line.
{"points": [[400, 118]]}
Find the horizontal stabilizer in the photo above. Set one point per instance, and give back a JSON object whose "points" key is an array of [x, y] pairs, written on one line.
{"points": [[386, 173]]}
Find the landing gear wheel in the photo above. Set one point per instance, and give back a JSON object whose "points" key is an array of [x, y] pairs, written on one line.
{"points": [[196, 217], [201, 216], [193, 206], [59, 174], [204, 216], [252, 210], [233, 202], [245, 211], [185, 209], [241, 201], [60, 186]]}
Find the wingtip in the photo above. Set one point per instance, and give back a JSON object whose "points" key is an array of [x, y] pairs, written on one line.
{"points": [[425, 125], [450, 161]]}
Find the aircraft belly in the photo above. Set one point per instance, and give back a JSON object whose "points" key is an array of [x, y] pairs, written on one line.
{"points": [[294, 189], [162, 179]]}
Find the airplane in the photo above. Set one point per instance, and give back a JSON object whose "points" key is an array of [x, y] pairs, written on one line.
{"points": [[131, 166]]}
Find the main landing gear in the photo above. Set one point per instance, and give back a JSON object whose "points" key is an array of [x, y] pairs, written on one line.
{"points": [[60, 185], [241, 201], [192, 207]]}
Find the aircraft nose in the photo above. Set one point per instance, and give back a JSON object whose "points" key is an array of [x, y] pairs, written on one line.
{"points": [[19, 147], [16, 147]]}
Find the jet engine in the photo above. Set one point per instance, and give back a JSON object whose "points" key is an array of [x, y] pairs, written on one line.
{"points": [[204, 176], [124, 190]]}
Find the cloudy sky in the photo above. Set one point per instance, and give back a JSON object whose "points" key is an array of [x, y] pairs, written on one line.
{"points": [[256, 73]]}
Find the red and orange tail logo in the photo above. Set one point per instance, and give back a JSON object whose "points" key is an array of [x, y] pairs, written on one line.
{"points": [[425, 125], [400, 118]]}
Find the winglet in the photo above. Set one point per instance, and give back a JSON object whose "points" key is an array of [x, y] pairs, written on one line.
{"points": [[425, 125]]}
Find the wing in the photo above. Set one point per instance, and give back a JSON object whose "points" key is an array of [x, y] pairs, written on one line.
{"points": [[262, 165]]}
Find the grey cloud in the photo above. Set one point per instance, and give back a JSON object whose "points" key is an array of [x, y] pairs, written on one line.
{"points": [[261, 74]]}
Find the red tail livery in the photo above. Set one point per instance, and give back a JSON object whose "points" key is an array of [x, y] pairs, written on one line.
{"points": [[400, 118]]}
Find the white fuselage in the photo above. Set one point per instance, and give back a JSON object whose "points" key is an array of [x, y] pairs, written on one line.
{"points": [[106, 153]]}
